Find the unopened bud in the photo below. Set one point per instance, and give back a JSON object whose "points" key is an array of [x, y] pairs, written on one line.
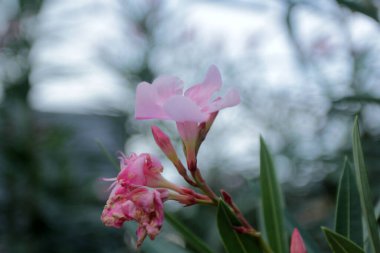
{"points": [[242, 230], [163, 141], [186, 200], [227, 197], [297, 245], [203, 129]]}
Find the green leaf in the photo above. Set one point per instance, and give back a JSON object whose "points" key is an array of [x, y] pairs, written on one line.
{"points": [[348, 217], [340, 244], [193, 241], [272, 207], [364, 191], [233, 241]]}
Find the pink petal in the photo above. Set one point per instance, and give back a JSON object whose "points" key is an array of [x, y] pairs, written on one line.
{"points": [[153, 230], [297, 245], [151, 97], [232, 98], [167, 86], [141, 234], [202, 93], [145, 200], [117, 190], [188, 131], [147, 106], [133, 173], [182, 109], [129, 209]]}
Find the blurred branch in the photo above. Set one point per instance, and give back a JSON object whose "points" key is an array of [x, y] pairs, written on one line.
{"points": [[367, 7], [292, 36], [361, 99]]}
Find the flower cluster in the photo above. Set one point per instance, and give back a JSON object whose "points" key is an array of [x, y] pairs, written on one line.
{"points": [[139, 190]]}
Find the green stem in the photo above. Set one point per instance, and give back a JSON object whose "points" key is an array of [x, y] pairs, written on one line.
{"points": [[204, 202], [249, 229], [204, 186]]}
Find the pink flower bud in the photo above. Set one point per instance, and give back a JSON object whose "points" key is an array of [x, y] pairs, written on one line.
{"points": [[166, 146], [227, 197], [243, 230], [296, 244], [163, 141], [184, 199], [188, 197]]}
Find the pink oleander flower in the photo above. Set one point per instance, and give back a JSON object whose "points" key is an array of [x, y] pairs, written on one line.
{"points": [[296, 244], [164, 99], [140, 170], [141, 204]]}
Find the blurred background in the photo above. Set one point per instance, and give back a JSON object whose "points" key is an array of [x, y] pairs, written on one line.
{"points": [[68, 72]]}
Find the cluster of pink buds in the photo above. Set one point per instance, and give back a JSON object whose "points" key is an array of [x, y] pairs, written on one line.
{"points": [[139, 190]]}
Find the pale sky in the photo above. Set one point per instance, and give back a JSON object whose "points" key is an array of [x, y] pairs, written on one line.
{"points": [[78, 43], [73, 37]]}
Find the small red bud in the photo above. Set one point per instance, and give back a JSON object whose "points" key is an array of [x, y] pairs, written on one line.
{"points": [[242, 230], [227, 197]]}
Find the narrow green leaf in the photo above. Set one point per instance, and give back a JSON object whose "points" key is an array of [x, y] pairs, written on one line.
{"points": [[348, 217], [233, 241], [364, 191], [191, 239], [272, 207], [340, 244]]}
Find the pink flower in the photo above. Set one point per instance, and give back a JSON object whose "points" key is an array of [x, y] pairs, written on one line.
{"points": [[140, 170], [164, 99], [194, 110], [296, 244], [141, 204]]}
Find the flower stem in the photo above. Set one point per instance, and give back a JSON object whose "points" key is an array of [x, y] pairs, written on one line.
{"points": [[204, 186], [182, 171], [246, 228], [204, 202]]}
